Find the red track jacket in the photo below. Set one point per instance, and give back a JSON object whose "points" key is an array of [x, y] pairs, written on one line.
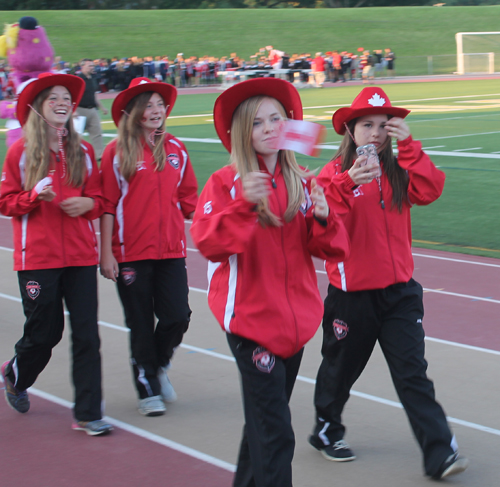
{"points": [[150, 209], [262, 280], [380, 238], [45, 237]]}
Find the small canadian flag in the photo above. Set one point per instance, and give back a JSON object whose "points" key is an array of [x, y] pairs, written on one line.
{"points": [[301, 136]]}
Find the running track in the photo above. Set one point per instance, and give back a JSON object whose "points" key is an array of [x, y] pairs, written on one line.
{"points": [[462, 301]]}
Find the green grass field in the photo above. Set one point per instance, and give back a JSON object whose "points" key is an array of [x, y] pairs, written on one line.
{"points": [[409, 31], [458, 123]]}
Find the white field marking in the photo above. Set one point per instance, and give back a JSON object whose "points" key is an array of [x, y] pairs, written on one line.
{"points": [[496, 152], [455, 260], [170, 117], [433, 147], [6, 249], [411, 101], [140, 432], [183, 139], [474, 155], [470, 148], [206, 141], [453, 118], [300, 378], [492, 155], [3, 217], [464, 135]]}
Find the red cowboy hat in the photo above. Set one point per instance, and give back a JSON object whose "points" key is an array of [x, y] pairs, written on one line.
{"points": [[138, 86], [370, 101], [228, 102], [74, 84]]}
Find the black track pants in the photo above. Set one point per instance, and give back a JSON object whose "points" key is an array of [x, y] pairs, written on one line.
{"points": [[42, 292], [352, 324], [150, 288], [268, 442]]}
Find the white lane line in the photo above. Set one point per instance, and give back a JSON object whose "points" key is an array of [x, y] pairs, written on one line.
{"points": [[433, 147], [467, 296], [470, 148], [300, 378], [456, 260], [457, 295], [142, 433], [215, 354]]}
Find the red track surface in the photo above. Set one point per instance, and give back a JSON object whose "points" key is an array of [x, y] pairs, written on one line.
{"points": [[58, 456]]}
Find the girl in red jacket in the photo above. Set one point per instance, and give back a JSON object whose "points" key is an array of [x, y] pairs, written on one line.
{"points": [[259, 220], [149, 188], [52, 190], [372, 296]]}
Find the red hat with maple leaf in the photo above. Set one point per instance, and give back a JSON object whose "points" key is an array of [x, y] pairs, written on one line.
{"points": [[371, 101]]}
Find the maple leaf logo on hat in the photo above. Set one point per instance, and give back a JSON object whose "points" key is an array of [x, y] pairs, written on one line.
{"points": [[376, 101]]}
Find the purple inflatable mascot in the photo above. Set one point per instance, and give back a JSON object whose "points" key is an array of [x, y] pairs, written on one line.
{"points": [[29, 53]]}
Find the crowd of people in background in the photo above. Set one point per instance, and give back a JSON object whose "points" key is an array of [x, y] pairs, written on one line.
{"points": [[189, 71]]}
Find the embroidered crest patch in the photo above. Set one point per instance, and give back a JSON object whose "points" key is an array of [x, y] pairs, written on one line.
{"points": [[33, 289], [128, 275], [340, 329], [263, 359], [173, 160]]}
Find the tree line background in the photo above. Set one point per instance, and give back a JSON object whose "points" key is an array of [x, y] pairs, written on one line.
{"points": [[197, 4]]}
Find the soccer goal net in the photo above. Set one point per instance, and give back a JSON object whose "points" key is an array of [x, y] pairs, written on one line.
{"points": [[478, 52]]}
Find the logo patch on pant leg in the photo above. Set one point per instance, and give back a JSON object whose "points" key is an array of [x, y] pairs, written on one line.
{"points": [[33, 289], [263, 359], [340, 329], [128, 275]]}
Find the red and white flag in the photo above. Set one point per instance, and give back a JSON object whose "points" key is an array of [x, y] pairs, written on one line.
{"points": [[301, 136]]}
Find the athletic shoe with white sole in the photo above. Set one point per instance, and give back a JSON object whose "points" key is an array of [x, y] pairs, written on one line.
{"points": [[93, 428], [336, 452], [451, 466], [167, 390], [152, 406], [17, 400]]}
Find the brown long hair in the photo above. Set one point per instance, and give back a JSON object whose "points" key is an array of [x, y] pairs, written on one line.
{"points": [[244, 158], [38, 150], [131, 138], [398, 179]]}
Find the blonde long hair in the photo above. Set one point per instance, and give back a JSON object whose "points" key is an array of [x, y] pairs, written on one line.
{"points": [[244, 158], [38, 150], [131, 138]]}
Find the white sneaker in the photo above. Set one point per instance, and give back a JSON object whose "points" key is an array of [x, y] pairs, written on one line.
{"points": [[167, 390], [151, 406]]}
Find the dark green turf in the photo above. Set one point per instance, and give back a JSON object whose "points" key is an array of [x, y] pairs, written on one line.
{"points": [[412, 32]]}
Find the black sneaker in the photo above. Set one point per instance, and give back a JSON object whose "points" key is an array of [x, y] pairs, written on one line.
{"points": [[17, 400], [451, 466], [338, 452]]}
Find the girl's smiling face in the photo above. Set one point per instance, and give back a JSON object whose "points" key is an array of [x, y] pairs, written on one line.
{"points": [[57, 108], [154, 116]]}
